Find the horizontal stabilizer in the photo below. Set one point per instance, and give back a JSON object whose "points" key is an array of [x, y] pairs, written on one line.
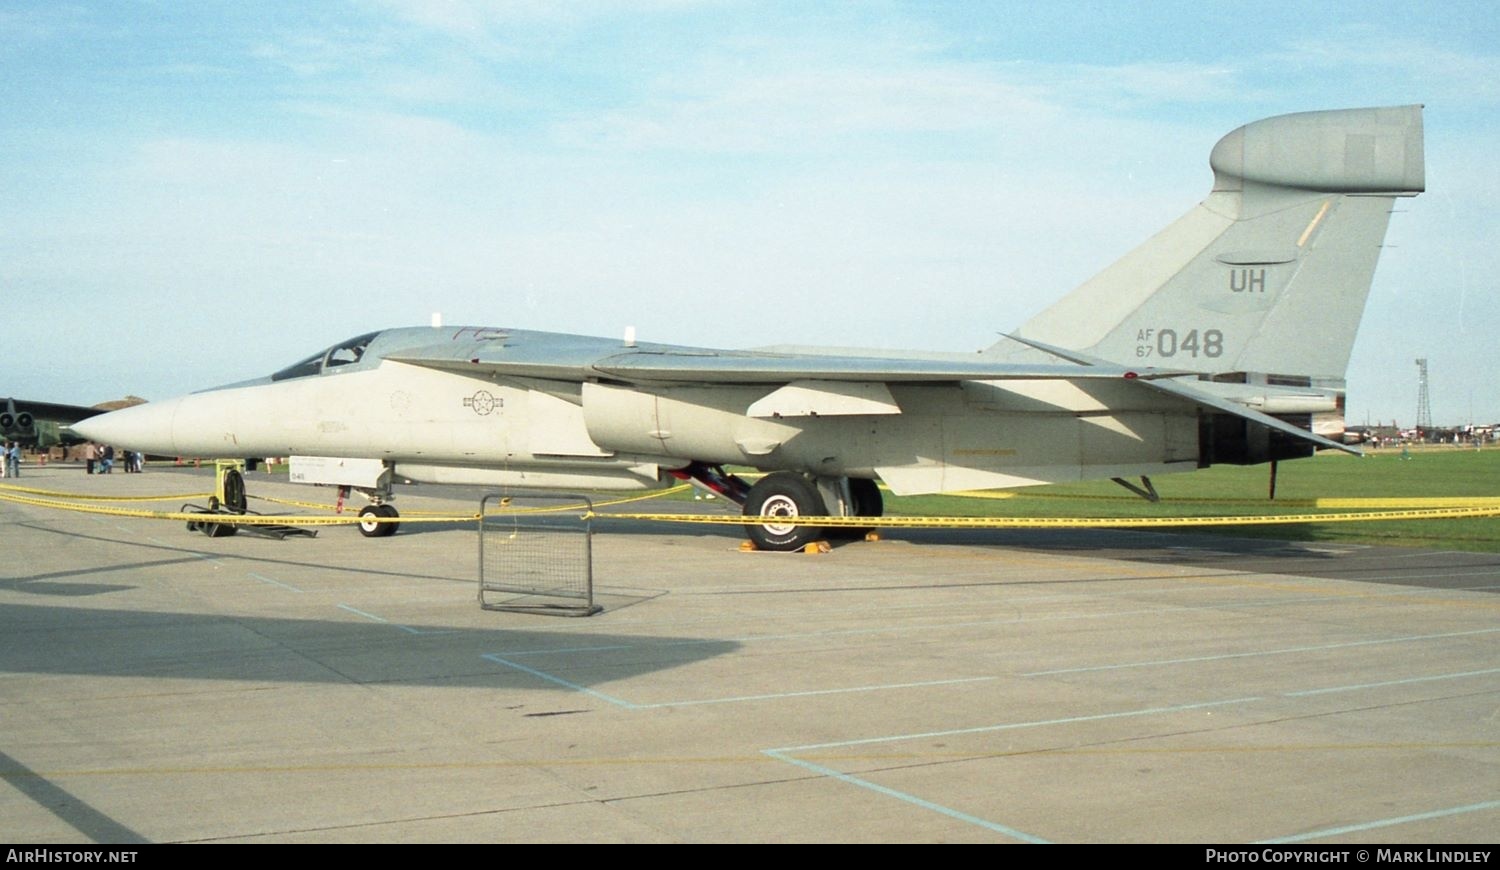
{"points": [[1208, 400], [1197, 396]]}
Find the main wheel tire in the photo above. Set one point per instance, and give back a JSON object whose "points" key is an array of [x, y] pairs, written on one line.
{"points": [[866, 501], [785, 495]]}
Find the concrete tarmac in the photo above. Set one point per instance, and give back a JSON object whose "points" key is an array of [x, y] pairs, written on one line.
{"points": [[161, 686]]}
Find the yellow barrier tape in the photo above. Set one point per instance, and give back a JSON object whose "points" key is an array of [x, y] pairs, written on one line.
{"points": [[1060, 522], [1352, 503], [8, 487], [1346, 503], [234, 519], [504, 511], [347, 508], [1423, 502], [647, 497], [319, 506], [291, 502], [1451, 512]]}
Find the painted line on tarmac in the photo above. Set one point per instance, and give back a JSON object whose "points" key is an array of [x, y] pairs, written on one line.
{"points": [[383, 621], [1487, 572], [907, 798], [1386, 823], [856, 632], [274, 582], [1013, 726], [1273, 652], [543, 675], [575, 649], [813, 692], [1457, 675], [550, 677], [787, 755]]}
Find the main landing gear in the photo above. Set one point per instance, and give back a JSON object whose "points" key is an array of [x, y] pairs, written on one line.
{"points": [[787, 495]]}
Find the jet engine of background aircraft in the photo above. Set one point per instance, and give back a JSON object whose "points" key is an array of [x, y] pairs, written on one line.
{"points": [[15, 422], [1222, 339], [40, 423]]}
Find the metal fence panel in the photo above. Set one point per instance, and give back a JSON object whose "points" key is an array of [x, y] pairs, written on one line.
{"points": [[536, 554]]}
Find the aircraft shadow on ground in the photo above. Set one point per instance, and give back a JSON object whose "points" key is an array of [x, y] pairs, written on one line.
{"points": [[195, 646]]}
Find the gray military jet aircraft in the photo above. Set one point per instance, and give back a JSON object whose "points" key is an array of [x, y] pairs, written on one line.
{"points": [[1222, 339]]}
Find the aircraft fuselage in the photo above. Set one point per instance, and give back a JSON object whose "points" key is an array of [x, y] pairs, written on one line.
{"points": [[435, 424]]}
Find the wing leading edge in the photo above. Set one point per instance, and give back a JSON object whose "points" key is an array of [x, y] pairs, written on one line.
{"points": [[656, 366]]}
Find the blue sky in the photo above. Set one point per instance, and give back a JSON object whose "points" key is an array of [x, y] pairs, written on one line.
{"points": [[195, 193]]}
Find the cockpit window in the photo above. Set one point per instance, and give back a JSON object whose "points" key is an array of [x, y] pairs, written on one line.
{"points": [[349, 351], [342, 354], [310, 366]]}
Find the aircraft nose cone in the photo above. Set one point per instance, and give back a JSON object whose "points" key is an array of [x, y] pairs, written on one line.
{"points": [[147, 427]]}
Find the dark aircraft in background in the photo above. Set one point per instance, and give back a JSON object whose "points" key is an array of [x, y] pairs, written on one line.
{"points": [[42, 424]]}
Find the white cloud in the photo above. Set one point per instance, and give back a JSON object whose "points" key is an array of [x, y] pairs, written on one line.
{"points": [[1405, 65]]}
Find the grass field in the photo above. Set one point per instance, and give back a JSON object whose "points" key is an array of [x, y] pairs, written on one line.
{"points": [[1226, 490]]}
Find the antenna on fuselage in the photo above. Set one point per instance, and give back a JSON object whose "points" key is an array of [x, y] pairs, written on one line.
{"points": [[437, 320]]}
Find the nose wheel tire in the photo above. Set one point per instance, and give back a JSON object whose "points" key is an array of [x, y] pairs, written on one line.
{"points": [[783, 495], [369, 521]]}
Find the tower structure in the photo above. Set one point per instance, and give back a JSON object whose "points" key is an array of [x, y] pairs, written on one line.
{"points": [[1424, 407]]}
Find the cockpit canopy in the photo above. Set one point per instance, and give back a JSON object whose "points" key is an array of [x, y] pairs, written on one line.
{"points": [[341, 354]]}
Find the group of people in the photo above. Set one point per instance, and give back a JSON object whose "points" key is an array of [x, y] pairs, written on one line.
{"points": [[11, 454], [103, 459], [97, 459]]}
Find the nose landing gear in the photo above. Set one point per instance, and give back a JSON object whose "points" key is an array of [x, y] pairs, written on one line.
{"points": [[370, 521]]}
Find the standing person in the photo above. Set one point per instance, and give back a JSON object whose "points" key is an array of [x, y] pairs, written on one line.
{"points": [[108, 459], [90, 456], [4, 451], [13, 459]]}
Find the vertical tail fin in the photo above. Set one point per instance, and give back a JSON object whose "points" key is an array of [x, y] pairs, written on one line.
{"points": [[1269, 274]]}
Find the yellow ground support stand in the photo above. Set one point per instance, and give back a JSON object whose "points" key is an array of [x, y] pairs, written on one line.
{"points": [[222, 467]]}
